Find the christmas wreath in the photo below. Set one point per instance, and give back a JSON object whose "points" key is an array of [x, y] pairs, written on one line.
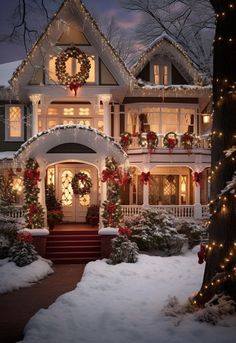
{"points": [[81, 184], [125, 140], [170, 140], [187, 140], [79, 79]]}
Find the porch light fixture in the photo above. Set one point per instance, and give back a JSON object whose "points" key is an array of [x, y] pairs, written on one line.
{"points": [[206, 118]]}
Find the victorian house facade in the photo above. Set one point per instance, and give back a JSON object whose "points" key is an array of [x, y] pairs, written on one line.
{"points": [[164, 92]]}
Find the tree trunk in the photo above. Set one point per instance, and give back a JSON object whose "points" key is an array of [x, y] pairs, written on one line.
{"points": [[222, 227]]}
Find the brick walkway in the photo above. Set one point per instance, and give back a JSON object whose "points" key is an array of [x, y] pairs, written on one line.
{"points": [[17, 307]]}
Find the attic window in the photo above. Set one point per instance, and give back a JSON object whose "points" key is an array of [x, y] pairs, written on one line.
{"points": [[72, 67], [161, 74]]}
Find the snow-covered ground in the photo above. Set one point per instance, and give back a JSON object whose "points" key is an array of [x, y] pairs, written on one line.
{"points": [[123, 304], [13, 277]]}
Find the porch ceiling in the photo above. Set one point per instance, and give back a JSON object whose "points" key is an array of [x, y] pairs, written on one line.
{"points": [[39, 145]]}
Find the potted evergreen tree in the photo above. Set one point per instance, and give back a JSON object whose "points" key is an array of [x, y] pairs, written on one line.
{"points": [[54, 207]]}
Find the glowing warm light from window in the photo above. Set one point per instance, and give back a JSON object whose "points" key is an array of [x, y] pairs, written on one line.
{"points": [[206, 118], [17, 184], [15, 119], [68, 111]]}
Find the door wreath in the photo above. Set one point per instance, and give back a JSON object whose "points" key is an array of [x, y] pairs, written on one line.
{"points": [[81, 184]]}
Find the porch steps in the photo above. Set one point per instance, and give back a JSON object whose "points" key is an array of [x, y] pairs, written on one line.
{"points": [[73, 246]]}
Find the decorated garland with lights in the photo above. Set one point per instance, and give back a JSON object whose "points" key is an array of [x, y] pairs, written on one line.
{"points": [[79, 79], [81, 184], [116, 179], [125, 140], [170, 140], [34, 214], [149, 141]]}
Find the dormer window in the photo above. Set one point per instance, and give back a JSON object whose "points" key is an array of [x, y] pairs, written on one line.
{"points": [[161, 74]]}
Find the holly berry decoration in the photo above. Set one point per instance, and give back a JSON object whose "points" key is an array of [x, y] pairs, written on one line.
{"points": [[81, 184], [79, 79]]}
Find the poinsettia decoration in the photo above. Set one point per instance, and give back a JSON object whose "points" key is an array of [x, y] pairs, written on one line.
{"points": [[125, 140], [170, 140], [81, 184], [125, 231], [79, 79], [187, 140]]}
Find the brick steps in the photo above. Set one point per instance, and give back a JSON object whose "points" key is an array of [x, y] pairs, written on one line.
{"points": [[71, 246]]}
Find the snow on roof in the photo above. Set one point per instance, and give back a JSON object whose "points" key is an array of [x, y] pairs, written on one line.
{"points": [[7, 155], [6, 72]]}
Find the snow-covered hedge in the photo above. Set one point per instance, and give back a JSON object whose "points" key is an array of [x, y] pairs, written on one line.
{"points": [[156, 229], [123, 250]]}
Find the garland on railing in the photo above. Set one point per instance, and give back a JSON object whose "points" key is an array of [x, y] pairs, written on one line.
{"points": [[33, 211], [125, 140], [148, 140], [170, 140], [187, 141]]}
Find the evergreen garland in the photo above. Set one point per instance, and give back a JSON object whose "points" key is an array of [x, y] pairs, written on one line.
{"points": [[34, 214], [112, 213], [7, 193]]}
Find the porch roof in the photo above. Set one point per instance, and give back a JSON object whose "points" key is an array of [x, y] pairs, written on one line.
{"points": [[39, 145]]}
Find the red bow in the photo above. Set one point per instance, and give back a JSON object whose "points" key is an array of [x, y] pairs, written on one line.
{"points": [[108, 175], [74, 86], [202, 254], [145, 177], [197, 178], [125, 231]]}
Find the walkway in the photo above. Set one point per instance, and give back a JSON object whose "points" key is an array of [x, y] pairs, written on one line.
{"points": [[18, 307]]}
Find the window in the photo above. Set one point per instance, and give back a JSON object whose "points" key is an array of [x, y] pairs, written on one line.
{"points": [[14, 124], [161, 74], [72, 68]]}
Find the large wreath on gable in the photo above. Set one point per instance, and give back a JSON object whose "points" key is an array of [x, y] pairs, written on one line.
{"points": [[79, 79], [81, 184]]}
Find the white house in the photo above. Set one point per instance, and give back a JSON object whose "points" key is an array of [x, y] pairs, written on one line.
{"points": [[164, 92]]}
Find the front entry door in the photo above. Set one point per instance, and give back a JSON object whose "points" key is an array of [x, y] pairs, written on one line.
{"points": [[75, 207]]}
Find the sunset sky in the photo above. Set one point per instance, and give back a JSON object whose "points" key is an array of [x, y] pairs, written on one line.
{"points": [[11, 51]]}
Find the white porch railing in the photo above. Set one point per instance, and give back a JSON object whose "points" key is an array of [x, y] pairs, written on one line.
{"points": [[179, 211], [205, 211], [16, 212]]}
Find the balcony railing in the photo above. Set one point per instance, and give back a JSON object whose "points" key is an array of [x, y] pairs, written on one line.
{"points": [[201, 142]]}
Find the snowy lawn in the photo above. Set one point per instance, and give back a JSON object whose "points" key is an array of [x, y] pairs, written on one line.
{"points": [[13, 277], [123, 304]]}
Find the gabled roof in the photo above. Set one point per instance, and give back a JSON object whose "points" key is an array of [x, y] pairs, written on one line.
{"points": [[165, 45], [89, 21]]}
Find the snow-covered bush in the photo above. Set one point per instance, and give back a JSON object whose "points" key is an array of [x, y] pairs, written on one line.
{"points": [[8, 232], [123, 250], [215, 310], [193, 231], [155, 229], [22, 252]]}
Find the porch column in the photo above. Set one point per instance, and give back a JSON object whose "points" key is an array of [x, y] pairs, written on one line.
{"points": [[34, 98], [146, 190], [197, 203], [106, 98], [42, 196]]}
